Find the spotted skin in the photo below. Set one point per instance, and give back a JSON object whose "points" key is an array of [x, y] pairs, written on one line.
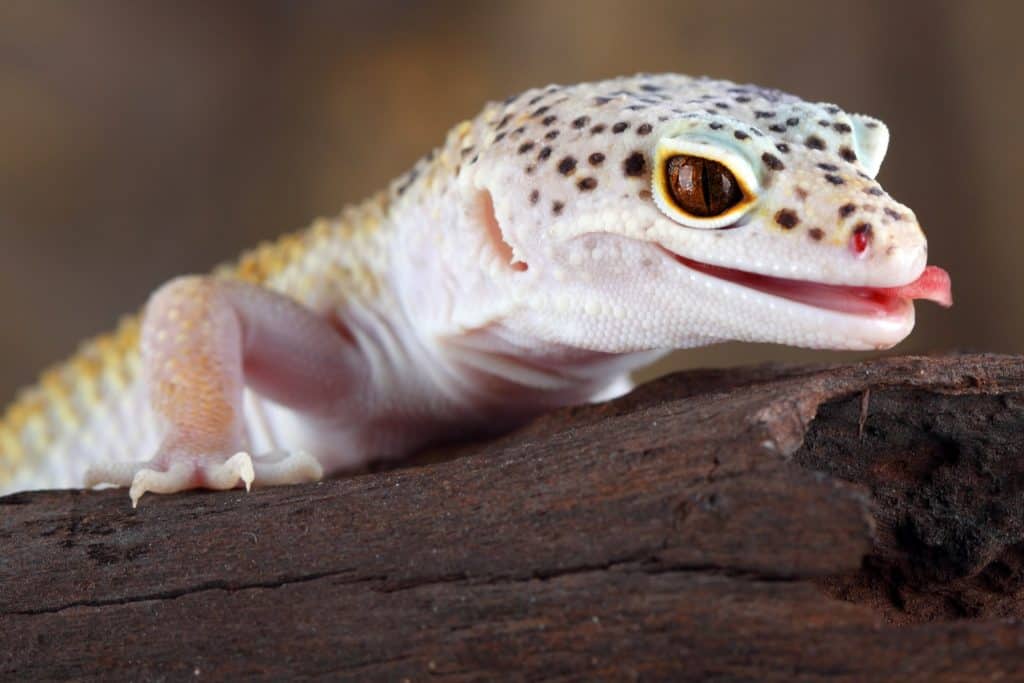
{"points": [[533, 260]]}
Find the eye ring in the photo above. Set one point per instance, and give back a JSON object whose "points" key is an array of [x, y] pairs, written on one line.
{"points": [[701, 187], [703, 150]]}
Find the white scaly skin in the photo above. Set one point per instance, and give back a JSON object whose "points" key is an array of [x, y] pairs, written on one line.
{"points": [[530, 262]]}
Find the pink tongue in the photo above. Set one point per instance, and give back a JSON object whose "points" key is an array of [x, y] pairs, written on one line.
{"points": [[934, 285]]}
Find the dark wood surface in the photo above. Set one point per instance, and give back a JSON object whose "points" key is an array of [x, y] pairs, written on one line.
{"points": [[863, 522]]}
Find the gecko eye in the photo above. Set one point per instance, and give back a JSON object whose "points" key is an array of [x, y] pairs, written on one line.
{"points": [[701, 187]]}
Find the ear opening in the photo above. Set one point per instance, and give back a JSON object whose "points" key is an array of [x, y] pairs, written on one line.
{"points": [[495, 235]]}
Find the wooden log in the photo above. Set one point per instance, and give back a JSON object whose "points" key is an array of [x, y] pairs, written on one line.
{"points": [[862, 522]]}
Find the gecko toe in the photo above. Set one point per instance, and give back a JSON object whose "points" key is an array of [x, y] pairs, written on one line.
{"points": [[174, 479], [280, 467], [114, 473], [226, 475]]}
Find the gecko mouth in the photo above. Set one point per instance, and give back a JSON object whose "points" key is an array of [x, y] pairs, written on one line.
{"points": [[932, 285]]}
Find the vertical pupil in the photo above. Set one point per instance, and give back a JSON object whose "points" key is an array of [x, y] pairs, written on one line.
{"points": [[702, 187]]}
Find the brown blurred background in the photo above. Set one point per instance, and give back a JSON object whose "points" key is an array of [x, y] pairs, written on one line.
{"points": [[140, 140]]}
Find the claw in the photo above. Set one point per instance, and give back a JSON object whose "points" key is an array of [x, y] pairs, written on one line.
{"points": [[226, 475], [176, 478]]}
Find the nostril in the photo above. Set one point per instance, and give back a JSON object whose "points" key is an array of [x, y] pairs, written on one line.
{"points": [[860, 239], [489, 220]]}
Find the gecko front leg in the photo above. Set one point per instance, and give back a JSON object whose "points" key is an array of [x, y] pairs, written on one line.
{"points": [[203, 340]]}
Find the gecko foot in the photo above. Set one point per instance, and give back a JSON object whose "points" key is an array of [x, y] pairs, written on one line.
{"points": [[143, 477], [271, 469]]}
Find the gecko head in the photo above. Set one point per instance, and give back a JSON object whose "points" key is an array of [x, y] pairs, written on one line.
{"points": [[664, 211]]}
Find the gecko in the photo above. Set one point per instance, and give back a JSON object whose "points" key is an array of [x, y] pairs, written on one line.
{"points": [[561, 239]]}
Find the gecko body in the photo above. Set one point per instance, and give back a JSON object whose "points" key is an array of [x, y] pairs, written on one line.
{"points": [[554, 243]]}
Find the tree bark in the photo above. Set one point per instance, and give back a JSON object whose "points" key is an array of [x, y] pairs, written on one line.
{"points": [[862, 522]]}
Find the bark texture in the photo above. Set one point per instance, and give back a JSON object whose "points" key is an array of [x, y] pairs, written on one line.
{"points": [[862, 522]]}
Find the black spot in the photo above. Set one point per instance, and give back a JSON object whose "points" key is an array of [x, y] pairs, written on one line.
{"points": [[834, 179], [787, 218], [715, 125], [525, 147], [832, 109], [895, 215], [530, 169], [551, 135], [596, 158], [556, 207], [534, 196], [792, 121], [598, 101], [782, 147], [636, 107], [875, 191], [824, 124], [871, 124], [466, 151], [814, 142], [846, 209], [841, 128], [473, 160], [580, 122], [847, 154], [634, 165], [722, 105], [650, 88], [740, 135], [742, 99], [619, 127], [599, 128], [587, 184], [828, 167], [535, 100], [499, 137], [505, 119], [567, 165], [519, 131], [816, 234], [764, 114], [548, 120], [772, 162], [644, 129], [540, 111], [776, 128], [544, 153]]}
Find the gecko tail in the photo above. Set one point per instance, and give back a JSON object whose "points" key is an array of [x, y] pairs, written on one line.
{"points": [[81, 412]]}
